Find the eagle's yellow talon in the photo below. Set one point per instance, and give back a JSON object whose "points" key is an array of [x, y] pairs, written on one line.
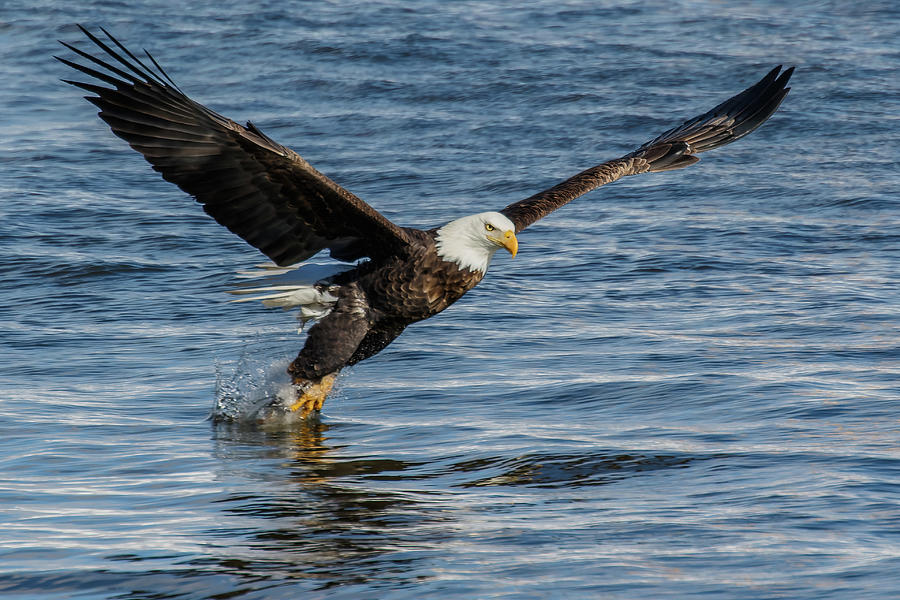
{"points": [[312, 398]]}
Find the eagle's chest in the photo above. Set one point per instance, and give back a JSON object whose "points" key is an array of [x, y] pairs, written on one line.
{"points": [[418, 288]]}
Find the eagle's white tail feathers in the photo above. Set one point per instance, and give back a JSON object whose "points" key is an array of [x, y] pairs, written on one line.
{"points": [[287, 296], [303, 286]]}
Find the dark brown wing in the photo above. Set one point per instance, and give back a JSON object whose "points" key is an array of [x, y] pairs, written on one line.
{"points": [[257, 188], [675, 149]]}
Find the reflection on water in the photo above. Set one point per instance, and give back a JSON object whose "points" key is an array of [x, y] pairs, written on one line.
{"points": [[317, 520], [339, 518]]}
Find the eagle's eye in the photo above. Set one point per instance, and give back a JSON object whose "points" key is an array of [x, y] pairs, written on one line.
{"points": [[489, 227]]}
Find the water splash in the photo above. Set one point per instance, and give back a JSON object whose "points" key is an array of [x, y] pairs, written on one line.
{"points": [[254, 389]]}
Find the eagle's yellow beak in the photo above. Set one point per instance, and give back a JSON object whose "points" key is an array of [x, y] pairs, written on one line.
{"points": [[509, 242]]}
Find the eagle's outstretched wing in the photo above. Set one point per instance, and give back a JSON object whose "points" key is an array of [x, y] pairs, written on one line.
{"points": [[675, 149], [257, 188]]}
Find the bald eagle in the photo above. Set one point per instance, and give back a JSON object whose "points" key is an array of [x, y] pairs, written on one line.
{"points": [[277, 202]]}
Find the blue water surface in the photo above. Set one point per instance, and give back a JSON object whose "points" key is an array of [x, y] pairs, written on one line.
{"points": [[685, 385]]}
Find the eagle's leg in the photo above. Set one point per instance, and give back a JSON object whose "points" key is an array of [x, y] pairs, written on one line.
{"points": [[312, 392], [329, 346]]}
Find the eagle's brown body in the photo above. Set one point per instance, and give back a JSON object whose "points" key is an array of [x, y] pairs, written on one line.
{"points": [[376, 301], [276, 201]]}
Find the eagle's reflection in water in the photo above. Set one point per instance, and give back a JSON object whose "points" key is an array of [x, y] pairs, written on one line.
{"points": [[311, 507], [306, 510]]}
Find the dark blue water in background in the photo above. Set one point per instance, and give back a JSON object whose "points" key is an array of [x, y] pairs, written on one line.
{"points": [[685, 385]]}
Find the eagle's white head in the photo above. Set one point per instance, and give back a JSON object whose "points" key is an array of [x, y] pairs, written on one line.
{"points": [[471, 241]]}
